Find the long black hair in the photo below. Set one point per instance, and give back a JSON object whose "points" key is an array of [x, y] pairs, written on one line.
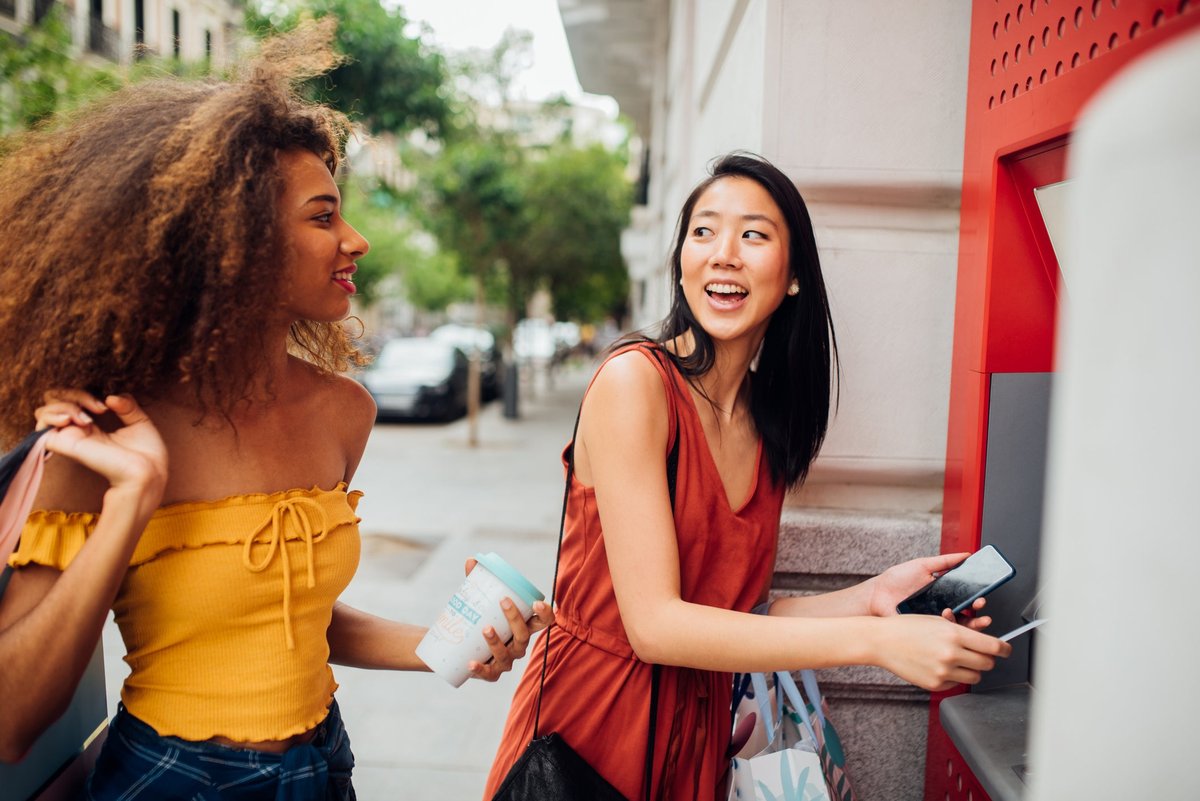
{"points": [[792, 385]]}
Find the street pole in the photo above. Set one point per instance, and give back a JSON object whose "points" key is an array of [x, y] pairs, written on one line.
{"points": [[474, 382]]}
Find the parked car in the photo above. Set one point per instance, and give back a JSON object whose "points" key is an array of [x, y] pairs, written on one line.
{"points": [[469, 338], [533, 341], [417, 377]]}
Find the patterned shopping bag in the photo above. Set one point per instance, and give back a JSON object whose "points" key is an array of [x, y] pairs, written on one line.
{"points": [[829, 745], [794, 752], [788, 774]]}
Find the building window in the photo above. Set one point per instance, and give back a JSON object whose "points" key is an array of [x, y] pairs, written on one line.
{"points": [[139, 23], [641, 191], [40, 9], [101, 40]]}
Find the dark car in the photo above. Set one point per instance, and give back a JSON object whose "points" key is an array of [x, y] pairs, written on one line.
{"points": [[418, 378], [469, 338]]}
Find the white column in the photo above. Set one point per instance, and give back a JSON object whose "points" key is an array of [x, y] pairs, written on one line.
{"points": [[1116, 698]]}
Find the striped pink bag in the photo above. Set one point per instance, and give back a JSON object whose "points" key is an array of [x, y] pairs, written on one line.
{"points": [[20, 477]]}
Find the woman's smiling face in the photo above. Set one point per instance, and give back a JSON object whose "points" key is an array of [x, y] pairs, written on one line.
{"points": [[320, 247], [734, 260]]}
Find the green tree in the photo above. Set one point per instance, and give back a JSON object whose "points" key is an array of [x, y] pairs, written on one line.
{"points": [[577, 203], [39, 75], [433, 280], [391, 81], [473, 203], [487, 75]]}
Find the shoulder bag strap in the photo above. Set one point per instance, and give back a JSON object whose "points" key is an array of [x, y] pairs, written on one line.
{"points": [[672, 473]]}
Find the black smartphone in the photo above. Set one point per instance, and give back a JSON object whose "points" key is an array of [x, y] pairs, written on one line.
{"points": [[957, 588]]}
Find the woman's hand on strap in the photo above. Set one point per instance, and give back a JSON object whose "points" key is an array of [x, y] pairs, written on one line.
{"points": [[898, 582], [132, 458], [504, 654]]}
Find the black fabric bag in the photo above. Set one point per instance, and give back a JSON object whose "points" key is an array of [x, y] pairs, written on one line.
{"points": [[549, 769]]}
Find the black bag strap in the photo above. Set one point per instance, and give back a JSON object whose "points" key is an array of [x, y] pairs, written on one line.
{"points": [[672, 474]]}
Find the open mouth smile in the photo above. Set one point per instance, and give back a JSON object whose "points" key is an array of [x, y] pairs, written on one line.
{"points": [[726, 295], [345, 279]]}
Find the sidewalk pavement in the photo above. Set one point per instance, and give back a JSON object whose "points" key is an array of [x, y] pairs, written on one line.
{"points": [[430, 502]]}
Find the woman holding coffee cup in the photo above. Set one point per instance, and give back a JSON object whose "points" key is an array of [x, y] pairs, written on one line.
{"points": [[183, 241], [738, 384]]}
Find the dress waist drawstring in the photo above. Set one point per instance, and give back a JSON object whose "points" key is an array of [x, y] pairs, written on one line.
{"points": [[300, 512]]}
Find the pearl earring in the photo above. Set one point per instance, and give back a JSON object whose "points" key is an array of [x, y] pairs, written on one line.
{"points": [[794, 288]]}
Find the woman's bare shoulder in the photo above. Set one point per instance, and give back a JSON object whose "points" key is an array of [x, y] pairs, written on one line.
{"points": [[347, 412], [68, 486], [627, 393], [339, 399], [630, 372]]}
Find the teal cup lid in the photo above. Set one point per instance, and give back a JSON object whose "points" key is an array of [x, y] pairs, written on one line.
{"points": [[510, 576]]}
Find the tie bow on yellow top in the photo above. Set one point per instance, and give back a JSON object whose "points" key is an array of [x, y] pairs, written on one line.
{"points": [[300, 510], [199, 608]]}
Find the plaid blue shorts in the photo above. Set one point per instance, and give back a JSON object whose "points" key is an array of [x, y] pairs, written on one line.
{"points": [[135, 762]]}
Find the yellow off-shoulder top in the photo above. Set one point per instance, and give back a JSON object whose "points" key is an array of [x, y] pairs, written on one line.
{"points": [[224, 609]]}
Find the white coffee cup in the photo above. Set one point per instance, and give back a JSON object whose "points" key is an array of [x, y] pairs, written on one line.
{"points": [[456, 637]]}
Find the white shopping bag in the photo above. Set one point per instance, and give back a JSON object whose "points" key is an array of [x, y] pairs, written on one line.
{"points": [[787, 775]]}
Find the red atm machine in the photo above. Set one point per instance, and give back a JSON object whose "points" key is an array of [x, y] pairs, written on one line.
{"points": [[1034, 64]]}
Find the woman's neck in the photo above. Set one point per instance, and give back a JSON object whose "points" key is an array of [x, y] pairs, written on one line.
{"points": [[271, 369], [723, 383], [269, 374]]}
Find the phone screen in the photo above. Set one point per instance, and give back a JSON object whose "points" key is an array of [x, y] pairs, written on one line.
{"points": [[957, 588]]}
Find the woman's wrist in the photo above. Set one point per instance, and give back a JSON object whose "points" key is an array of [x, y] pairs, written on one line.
{"points": [[141, 498], [869, 639], [867, 588]]}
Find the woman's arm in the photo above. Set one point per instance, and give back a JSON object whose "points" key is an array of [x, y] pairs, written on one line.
{"points": [[879, 595], [358, 639], [624, 430], [50, 622]]}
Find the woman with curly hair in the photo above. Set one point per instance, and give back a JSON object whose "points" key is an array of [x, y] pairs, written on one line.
{"points": [[182, 243]]}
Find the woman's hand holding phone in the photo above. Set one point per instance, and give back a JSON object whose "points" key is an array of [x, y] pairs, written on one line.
{"points": [[960, 588], [900, 581]]}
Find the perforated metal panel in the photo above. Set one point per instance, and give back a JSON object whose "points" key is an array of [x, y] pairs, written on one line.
{"points": [[1035, 42], [960, 784]]}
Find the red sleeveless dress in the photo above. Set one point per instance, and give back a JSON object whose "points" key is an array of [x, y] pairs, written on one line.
{"points": [[597, 692]]}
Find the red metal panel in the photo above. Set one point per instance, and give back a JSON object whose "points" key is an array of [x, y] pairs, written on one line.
{"points": [[1020, 296], [966, 443], [1033, 66], [946, 769]]}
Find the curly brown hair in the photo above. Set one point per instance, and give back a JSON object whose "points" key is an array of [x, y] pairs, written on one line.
{"points": [[140, 237]]}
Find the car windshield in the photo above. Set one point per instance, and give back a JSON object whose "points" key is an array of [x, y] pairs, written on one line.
{"points": [[420, 356]]}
